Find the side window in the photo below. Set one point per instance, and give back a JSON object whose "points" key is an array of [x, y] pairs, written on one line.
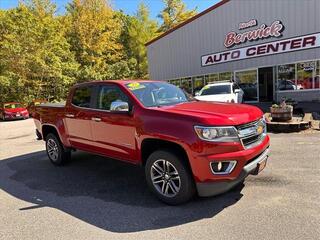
{"points": [[109, 94], [82, 97]]}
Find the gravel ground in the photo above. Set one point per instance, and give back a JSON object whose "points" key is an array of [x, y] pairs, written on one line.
{"points": [[97, 198]]}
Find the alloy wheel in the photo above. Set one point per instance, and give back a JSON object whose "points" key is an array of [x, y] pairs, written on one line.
{"points": [[165, 178], [53, 150]]}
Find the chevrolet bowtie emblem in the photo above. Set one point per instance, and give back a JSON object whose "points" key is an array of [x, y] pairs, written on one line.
{"points": [[259, 129]]}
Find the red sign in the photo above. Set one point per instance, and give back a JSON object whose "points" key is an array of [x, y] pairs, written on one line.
{"points": [[264, 31], [276, 47]]}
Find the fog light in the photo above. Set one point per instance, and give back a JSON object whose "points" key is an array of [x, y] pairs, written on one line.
{"points": [[219, 166], [222, 167]]}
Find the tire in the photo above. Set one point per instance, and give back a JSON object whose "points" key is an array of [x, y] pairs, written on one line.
{"points": [[173, 187], [55, 150]]}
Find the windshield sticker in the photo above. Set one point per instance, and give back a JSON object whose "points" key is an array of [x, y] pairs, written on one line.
{"points": [[135, 86]]}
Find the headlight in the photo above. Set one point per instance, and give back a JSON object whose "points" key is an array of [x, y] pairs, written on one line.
{"points": [[217, 134]]}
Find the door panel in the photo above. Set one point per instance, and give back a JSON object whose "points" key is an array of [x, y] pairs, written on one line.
{"points": [[79, 128], [78, 118], [114, 134]]}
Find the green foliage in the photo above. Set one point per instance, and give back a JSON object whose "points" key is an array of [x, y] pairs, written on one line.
{"points": [[42, 54], [94, 36], [141, 30], [174, 13], [36, 61]]}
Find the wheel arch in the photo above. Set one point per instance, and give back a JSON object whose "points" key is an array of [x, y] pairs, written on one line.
{"points": [[48, 128], [150, 145]]}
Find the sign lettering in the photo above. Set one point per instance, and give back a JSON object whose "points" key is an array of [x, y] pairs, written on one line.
{"points": [[264, 31], [276, 47]]}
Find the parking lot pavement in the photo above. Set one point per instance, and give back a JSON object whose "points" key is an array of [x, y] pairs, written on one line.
{"points": [[97, 198]]}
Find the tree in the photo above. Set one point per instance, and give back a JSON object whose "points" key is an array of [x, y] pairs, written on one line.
{"points": [[94, 36], [141, 29], [35, 57], [174, 13]]}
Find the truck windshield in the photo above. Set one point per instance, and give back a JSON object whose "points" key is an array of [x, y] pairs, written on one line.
{"points": [[215, 89], [152, 94]]}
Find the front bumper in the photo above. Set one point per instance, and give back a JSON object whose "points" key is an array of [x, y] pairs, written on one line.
{"points": [[206, 189]]}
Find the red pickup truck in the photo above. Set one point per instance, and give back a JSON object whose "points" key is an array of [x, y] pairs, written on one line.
{"points": [[186, 146]]}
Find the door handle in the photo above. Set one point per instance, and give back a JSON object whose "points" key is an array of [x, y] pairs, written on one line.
{"points": [[68, 115], [96, 119]]}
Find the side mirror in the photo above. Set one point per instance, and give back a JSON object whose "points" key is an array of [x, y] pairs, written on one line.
{"points": [[197, 93], [237, 90], [119, 106]]}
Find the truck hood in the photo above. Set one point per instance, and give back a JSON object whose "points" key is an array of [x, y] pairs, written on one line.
{"points": [[215, 113]]}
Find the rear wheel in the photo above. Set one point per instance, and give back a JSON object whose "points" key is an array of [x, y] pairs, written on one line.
{"points": [[169, 177], [55, 150]]}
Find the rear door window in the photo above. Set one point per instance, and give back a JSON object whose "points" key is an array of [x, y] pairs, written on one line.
{"points": [[82, 96]]}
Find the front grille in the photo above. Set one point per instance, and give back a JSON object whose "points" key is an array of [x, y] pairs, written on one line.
{"points": [[250, 140], [252, 133], [247, 125]]}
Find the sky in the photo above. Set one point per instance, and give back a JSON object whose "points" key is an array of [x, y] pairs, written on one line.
{"points": [[128, 6]]}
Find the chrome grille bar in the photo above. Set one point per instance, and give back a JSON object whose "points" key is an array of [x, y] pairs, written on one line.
{"points": [[252, 134]]}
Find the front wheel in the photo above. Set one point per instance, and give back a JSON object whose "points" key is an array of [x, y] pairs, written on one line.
{"points": [[169, 177], [55, 150]]}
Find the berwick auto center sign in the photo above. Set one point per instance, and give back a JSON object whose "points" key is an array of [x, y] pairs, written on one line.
{"points": [[270, 48]]}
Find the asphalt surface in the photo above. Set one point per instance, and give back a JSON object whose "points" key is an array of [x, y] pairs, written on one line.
{"points": [[97, 198]]}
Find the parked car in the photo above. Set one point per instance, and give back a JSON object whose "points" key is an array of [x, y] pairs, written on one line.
{"points": [[13, 110], [221, 92], [186, 146], [288, 85]]}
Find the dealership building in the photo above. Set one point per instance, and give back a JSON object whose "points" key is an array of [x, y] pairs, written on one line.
{"points": [[271, 48]]}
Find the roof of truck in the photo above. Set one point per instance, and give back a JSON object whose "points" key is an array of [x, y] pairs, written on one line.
{"points": [[122, 82]]}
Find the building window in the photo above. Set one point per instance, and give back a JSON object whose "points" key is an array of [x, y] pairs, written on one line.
{"points": [[317, 75], [305, 72], [186, 85], [213, 78], [286, 77], [198, 83], [225, 76], [175, 82], [247, 81]]}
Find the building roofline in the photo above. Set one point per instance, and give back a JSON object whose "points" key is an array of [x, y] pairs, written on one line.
{"points": [[222, 2]]}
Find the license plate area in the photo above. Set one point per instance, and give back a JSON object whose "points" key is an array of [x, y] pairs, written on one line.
{"points": [[261, 165]]}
